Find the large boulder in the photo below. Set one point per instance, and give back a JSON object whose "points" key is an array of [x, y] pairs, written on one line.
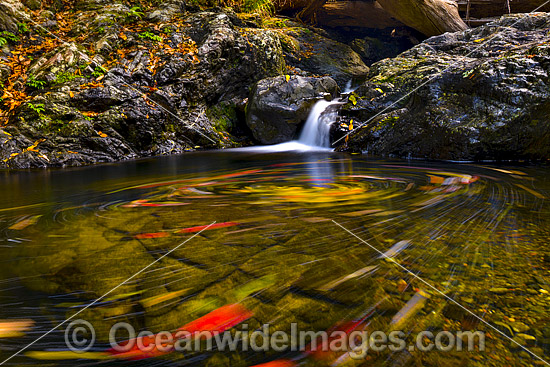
{"points": [[314, 52], [279, 105], [478, 94]]}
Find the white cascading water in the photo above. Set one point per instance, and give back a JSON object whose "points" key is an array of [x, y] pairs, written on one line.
{"points": [[314, 136], [316, 132]]}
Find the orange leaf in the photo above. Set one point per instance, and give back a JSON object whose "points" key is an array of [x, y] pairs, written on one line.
{"points": [[143, 236], [201, 228]]}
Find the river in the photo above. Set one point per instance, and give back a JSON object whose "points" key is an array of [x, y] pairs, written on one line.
{"points": [[315, 238]]}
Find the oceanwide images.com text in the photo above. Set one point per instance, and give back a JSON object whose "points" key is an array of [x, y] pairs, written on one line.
{"points": [[123, 339]]}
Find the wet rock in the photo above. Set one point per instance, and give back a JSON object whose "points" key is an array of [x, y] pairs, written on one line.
{"points": [[478, 94], [372, 49], [455, 312], [277, 107], [312, 51]]}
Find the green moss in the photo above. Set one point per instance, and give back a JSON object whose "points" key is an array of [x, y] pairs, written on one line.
{"points": [[64, 77], [223, 115]]}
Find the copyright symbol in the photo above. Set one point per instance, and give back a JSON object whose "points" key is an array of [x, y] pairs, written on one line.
{"points": [[79, 336]]}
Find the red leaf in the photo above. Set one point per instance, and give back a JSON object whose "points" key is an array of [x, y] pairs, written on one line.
{"points": [[277, 363], [143, 236], [213, 226]]}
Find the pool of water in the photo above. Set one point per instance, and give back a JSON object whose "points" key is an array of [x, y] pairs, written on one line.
{"points": [[314, 238]]}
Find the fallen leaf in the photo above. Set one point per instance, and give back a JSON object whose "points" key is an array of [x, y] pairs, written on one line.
{"points": [[24, 223], [207, 227]]}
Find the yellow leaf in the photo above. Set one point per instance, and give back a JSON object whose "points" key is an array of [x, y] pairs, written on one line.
{"points": [[22, 224], [14, 328], [479, 40], [71, 94], [155, 300], [123, 36], [63, 355], [102, 134], [351, 125], [287, 78]]}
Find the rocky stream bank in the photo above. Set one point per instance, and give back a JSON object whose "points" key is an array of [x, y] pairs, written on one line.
{"points": [[102, 82]]}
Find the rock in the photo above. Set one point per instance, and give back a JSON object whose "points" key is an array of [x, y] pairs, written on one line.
{"points": [[11, 13], [166, 11], [93, 112], [276, 107], [452, 311], [32, 4], [461, 96], [312, 51]]}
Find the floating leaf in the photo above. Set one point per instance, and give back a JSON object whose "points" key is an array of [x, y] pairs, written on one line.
{"points": [[436, 180], [253, 287], [24, 223], [14, 328], [143, 236], [66, 354], [277, 363], [207, 227], [155, 300], [215, 322], [531, 191]]}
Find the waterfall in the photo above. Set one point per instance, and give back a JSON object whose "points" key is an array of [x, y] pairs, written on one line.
{"points": [[316, 132]]}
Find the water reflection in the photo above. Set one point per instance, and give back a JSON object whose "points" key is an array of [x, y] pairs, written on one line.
{"points": [[70, 236]]}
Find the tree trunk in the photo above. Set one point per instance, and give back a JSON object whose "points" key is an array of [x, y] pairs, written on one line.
{"points": [[308, 14], [430, 17]]}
